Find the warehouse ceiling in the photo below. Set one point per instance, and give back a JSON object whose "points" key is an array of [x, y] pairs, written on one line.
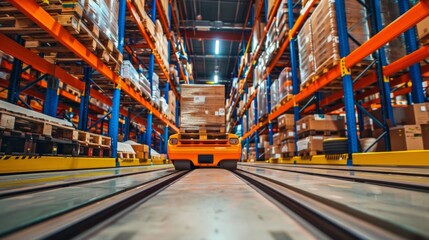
{"points": [[203, 23]]}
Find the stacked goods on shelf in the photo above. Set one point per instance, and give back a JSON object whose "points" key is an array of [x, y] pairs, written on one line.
{"points": [[263, 147], [165, 6], [313, 129], [141, 150], [202, 107], [307, 65], [97, 20], [125, 151], [138, 81], [275, 151], [251, 114], [156, 93], [171, 106], [422, 30], [26, 132], [395, 49], [318, 39], [174, 75], [252, 153], [287, 134], [257, 35], [262, 100], [99, 104], [407, 135], [245, 124], [274, 92], [258, 73], [161, 43], [285, 85], [277, 32], [164, 106]]}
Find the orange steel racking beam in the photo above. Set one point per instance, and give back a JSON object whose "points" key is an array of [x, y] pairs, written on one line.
{"points": [[412, 58], [39, 16], [164, 23], [158, 60], [95, 94], [411, 18]]}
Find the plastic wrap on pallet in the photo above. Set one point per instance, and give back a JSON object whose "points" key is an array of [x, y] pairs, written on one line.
{"points": [[145, 84], [104, 13], [164, 106], [128, 71], [274, 91], [262, 100], [395, 49], [324, 35], [202, 106], [357, 24], [306, 58], [251, 114], [285, 84]]}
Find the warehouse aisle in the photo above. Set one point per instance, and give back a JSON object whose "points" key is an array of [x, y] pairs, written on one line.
{"points": [[206, 204]]}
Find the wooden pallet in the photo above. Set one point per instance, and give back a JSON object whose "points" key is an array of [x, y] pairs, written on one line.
{"points": [[306, 154], [126, 155], [321, 133]]}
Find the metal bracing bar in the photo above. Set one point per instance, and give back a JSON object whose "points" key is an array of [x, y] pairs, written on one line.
{"points": [[95, 84], [383, 134], [100, 120], [362, 73], [371, 116], [26, 68], [255, 102], [149, 133], [32, 83], [353, 39], [15, 77], [347, 81], [24, 102], [411, 43], [307, 104]]}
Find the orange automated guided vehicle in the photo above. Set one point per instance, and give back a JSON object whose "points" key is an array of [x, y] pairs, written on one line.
{"points": [[202, 141]]}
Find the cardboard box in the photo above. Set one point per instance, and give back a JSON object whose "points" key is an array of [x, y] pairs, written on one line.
{"points": [[311, 144], [425, 135], [140, 148], [276, 139], [7, 121], [381, 145], [288, 147], [423, 30], [320, 122], [286, 121], [412, 115], [408, 137]]}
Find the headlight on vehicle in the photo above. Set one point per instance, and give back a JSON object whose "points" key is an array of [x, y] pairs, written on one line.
{"points": [[174, 141], [233, 141]]}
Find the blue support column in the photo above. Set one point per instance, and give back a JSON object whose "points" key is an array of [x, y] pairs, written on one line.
{"points": [[318, 96], [349, 104], [114, 120], [294, 71], [121, 24], [15, 77], [383, 82], [412, 45], [127, 126], [50, 105], [270, 124], [255, 102], [84, 100], [149, 133], [177, 112]]}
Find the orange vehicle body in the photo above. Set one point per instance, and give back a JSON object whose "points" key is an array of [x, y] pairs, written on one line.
{"points": [[204, 152]]}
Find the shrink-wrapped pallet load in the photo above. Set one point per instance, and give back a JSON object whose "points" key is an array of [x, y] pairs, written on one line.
{"points": [[274, 91], [307, 65], [285, 84], [202, 106]]}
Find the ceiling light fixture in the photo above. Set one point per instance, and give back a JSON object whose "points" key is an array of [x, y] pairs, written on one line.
{"points": [[217, 47]]}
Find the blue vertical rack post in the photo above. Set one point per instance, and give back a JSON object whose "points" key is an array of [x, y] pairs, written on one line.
{"points": [[415, 71], [270, 124], [84, 100], [255, 102], [127, 125], [15, 77], [383, 82], [167, 89], [50, 105], [294, 71], [347, 80], [114, 116]]}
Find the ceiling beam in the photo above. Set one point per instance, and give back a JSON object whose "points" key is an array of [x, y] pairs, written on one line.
{"points": [[208, 35]]}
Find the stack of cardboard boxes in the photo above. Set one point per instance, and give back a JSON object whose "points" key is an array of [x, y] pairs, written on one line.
{"points": [[313, 129], [202, 106], [411, 131], [171, 106], [286, 134]]}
